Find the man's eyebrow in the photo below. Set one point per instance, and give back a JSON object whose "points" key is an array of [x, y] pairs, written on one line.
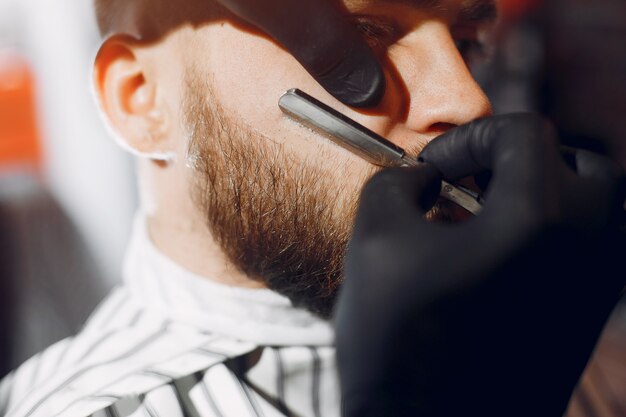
{"points": [[479, 11]]}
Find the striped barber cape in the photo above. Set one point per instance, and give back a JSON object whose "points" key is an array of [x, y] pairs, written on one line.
{"points": [[171, 344]]}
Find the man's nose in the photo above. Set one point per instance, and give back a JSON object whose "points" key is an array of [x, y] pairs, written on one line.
{"points": [[442, 93]]}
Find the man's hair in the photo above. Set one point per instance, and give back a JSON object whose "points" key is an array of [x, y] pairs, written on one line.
{"points": [[154, 17], [107, 12]]}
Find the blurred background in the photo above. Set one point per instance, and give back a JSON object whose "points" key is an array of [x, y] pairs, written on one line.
{"points": [[67, 192]]}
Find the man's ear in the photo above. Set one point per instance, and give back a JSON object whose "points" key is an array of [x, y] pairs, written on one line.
{"points": [[131, 100]]}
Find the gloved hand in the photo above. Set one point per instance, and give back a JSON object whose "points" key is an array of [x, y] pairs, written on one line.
{"points": [[320, 38], [496, 316]]}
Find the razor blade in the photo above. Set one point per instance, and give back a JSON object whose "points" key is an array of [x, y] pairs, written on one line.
{"points": [[361, 141]]}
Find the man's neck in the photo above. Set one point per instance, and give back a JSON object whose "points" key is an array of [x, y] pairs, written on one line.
{"points": [[189, 244], [179, 231]]}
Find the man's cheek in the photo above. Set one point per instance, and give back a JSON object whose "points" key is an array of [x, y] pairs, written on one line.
{"points": [[249, 83]]}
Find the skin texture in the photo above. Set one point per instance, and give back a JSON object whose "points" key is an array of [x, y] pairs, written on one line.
{"points": [[142, 80]]}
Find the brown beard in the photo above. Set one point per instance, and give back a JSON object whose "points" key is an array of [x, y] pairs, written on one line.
{"points": [[279, 218]]}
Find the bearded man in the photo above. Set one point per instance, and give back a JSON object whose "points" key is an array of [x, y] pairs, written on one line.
{"points": [[236, 254]]}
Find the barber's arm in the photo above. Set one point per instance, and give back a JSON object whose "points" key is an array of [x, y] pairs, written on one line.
{"points": [[496, 316], [321, 39]]}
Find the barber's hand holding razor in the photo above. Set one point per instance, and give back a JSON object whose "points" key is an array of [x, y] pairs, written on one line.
{"points": [[321, 39], [496, 316]]}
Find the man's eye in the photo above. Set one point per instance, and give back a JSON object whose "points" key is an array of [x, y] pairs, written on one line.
{"points": [[378, 33], [471, 49]]}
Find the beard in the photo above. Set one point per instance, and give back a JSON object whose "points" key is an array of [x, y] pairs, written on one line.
{"points": [[280, 217]]}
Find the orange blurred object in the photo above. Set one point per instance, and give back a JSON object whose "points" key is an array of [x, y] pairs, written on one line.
{"points": [[19, 137]]}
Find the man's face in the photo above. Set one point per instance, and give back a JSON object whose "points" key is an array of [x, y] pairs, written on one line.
{"points": [[278, 198]]}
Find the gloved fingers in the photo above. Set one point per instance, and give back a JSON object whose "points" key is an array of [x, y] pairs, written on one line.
{"points": [[454, 155], [399, 194], [509, 142], [323, 41], [519, 150], [601, 186], [593, 165]]}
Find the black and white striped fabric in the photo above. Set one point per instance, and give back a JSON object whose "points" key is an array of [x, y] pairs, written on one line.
{"points": [[173, 345]]}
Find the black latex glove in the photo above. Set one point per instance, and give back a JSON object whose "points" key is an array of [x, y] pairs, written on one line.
{"points": [[496, 316], [323, 41]]}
